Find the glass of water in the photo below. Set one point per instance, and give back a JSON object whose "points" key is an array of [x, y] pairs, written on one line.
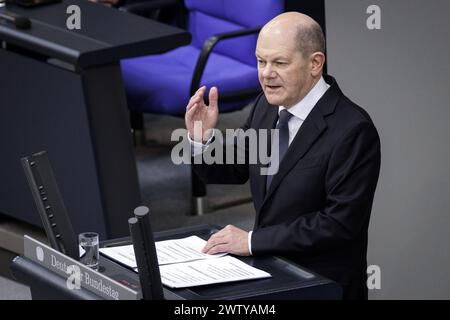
{"points": [[89, 244]]}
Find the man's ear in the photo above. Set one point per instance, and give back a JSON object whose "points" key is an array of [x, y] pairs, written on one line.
{"points": [[317, 62]]}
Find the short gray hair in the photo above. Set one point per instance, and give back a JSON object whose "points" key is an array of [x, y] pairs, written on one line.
{"points": [[310, 39]]}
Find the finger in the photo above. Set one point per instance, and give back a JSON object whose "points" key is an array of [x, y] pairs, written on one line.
{"points": [[213, 97], [212, 242], [218, 249], [191, 116], [216, 239], [194, 99], [202, 88], [198, 92], [192, 110], [201, 92], [207, 247]]}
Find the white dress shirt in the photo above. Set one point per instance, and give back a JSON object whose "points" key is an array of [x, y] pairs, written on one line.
{"points": [[300, 111]]}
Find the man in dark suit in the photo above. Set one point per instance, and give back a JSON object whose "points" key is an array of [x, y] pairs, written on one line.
{"points": [[315, 209]]}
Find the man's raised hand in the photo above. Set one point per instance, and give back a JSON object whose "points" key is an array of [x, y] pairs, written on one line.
{"points": [[200, 119]]}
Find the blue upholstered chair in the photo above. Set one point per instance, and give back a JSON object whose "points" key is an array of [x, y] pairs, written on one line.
{"points": [[222, 54]]}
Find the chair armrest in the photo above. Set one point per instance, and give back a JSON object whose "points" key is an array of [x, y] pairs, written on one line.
{"points": [[143, 8], [208, 47]]}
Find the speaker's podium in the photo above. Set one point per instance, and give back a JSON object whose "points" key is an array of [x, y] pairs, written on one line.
{"points": [[61, 90], [288, 280]]}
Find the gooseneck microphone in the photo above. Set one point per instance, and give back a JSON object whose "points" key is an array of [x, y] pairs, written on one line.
{"points": [[18, 21]]}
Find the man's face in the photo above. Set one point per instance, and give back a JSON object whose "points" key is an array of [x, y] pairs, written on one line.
{"points": [[283, 72]]}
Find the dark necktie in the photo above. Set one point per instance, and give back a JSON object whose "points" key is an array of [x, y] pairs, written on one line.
{"points": [[283, 141]]}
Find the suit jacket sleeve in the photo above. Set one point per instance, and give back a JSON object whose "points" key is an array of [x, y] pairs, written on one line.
{"points": [[350, 183], [225, 173]]}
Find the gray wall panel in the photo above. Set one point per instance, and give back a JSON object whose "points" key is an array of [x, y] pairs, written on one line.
{"points": [[401, 74]]}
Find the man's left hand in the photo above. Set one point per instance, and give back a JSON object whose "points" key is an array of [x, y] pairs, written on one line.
{"points": [[230, 239]]}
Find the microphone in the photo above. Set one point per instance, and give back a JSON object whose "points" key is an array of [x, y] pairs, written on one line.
{"points": [[18, 21]]}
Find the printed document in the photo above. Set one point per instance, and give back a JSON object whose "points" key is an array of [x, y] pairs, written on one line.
{"points": [[182, 264], [168, 251], [201, 272]]}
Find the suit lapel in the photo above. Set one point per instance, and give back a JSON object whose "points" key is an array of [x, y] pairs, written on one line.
{"points": [[267, 122], [311, 129]]}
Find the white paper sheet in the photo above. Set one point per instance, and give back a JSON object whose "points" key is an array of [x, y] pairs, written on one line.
{"points": [[182, 250], [122, 254], [168, 252], [210, 271]]}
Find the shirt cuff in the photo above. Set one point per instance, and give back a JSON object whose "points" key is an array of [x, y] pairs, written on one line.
{"points": [[198, 147], [250, 242]]}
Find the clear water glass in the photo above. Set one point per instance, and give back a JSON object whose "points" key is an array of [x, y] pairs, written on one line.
{"points": [[89, 243]]}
